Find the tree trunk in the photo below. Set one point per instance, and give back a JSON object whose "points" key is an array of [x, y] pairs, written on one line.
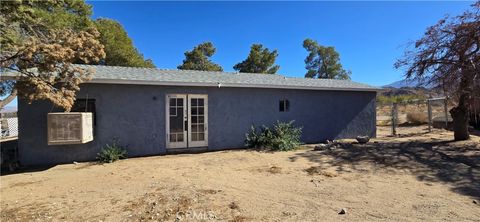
{"points": [[460, 119], [8, 99]]}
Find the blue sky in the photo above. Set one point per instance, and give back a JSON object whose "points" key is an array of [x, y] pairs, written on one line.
{"points": [[369, 36]]}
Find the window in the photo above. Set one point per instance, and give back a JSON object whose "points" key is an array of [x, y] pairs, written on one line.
{"points": [[85, 105], [284, 105]]}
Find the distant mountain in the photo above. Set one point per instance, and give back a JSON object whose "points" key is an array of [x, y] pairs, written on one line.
{"points": [[410, 83]]}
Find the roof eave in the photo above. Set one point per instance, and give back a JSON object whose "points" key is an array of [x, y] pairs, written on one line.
{"points": [[221, 85]]}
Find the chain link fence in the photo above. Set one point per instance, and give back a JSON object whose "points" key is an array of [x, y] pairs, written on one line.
{"points": [[8, 141], [8, 125]]}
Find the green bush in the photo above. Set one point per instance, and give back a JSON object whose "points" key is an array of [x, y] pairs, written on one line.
{"points": [[283, 137], [112, 153]]}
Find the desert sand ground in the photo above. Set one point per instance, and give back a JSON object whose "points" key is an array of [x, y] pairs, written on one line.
{"points": [[416, 176]]}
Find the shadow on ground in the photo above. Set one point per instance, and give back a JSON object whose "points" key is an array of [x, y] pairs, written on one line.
{"points": [[434, 161]]}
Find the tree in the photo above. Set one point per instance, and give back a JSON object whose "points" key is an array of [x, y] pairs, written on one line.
{"points": [[198, 58], [119, 47], [448, 56], [260, 60], [323, 62], [40, 41]]}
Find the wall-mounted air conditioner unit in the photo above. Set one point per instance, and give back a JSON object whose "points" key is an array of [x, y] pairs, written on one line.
{"points": [[69, 128]]}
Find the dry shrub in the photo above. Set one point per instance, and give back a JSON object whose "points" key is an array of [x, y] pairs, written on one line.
{"points": [[318, 171], [416, 117]]}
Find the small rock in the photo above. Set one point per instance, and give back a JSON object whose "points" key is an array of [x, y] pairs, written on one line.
{"points": [[475, 201], [75, 162], [154, 203], [363, 139], [233, 205], [321, 146], [343, 211]]}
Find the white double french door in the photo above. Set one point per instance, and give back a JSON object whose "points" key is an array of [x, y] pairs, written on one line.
{"points": [[187, 120]]}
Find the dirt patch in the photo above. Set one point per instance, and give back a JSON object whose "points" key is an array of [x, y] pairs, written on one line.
{"points": [[238, 219], [157, 207], [267, 169], [415, 176], [319, 171], [29, 212], [209, 191], [274, 170], [26, 183]]}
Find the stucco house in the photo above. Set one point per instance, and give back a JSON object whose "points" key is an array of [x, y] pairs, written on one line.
{"points": [[157, 111]]}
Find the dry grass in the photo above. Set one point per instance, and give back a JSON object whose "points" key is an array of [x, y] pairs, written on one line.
{"points": [[416, 117], [408, 113]]}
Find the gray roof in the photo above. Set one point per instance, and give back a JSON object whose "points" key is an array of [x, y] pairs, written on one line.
{"points": [[152, 76]]}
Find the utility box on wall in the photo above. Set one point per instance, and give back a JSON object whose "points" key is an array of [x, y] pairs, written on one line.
{"points": [[69, 128]]}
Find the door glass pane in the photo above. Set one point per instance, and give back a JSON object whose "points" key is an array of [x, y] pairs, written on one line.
{"points": [[173, 138], [173, 101], [180, 137], [176, 120], [194, 128], [173, 111], [197, 119]]}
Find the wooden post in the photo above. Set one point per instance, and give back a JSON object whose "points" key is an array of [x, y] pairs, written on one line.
{"points": [[394, 119], [429, 106], [445, 103]]}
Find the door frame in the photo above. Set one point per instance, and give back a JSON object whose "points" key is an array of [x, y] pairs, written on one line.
{"points": [[187, 143], [171, 145]]}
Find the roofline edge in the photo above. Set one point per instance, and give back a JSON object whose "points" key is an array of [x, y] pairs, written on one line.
{"points": [[164, 83]]}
